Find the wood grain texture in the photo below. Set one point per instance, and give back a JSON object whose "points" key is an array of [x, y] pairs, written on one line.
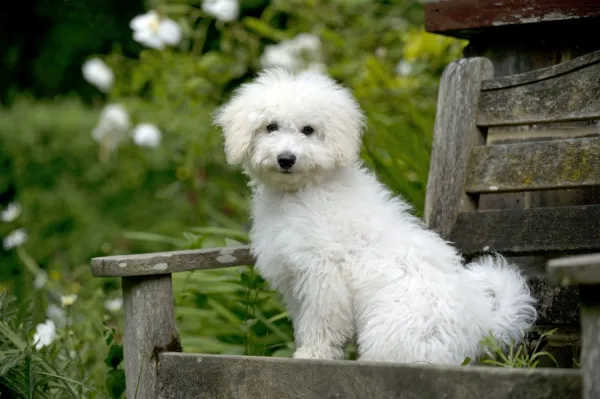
{"points": [[149, 330], [529, 231], [455, 133], [453, 15], [556, 305], [541, 198], [590, 339], [536, 48], [540, 74], [536, 133], [533, 51], [204, 376], [541, 48], [534, 166], [567, 97], [575, 270], [171, 262]]}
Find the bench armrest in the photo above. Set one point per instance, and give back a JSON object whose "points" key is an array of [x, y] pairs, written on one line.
{"points": [[575, 270], [583, 271], [171, 262]]}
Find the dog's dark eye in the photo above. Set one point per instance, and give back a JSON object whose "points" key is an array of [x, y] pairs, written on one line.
{"points": [[307, 130], [272, 127]]}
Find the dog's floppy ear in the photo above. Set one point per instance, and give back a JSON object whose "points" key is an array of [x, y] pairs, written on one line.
{"points": [[345, 125], [238, 124]]}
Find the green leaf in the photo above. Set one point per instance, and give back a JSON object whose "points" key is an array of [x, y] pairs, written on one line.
{"points": [[115, 383], [115, 356], [151, 237], [201, 300], [263, 29], [109, 336]]}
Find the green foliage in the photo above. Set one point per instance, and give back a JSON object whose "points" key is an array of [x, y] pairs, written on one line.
{"points": [[520, 356], [194, 79], [74, 206], [115, 377], [28, 373], [228, 311]]}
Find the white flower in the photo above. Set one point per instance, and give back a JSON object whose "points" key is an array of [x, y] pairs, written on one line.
{"points": [[404, 68], [154, 31], [114, 305], [112, 127], [15, 239], [45, 334], [96, 72], [307, 41], [57, 315], [115, 115], [278, 56], [12, 211], [146, 135], [380, 52], [300, 53], [40, 280], [412, 176], [317, 67], [68, 300], [223, 10]]}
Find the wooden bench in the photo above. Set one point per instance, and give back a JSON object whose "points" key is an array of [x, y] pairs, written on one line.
{"points": [[477, 152]]}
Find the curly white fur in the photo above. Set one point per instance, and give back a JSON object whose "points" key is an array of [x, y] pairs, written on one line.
{"points": [[350, 259]]}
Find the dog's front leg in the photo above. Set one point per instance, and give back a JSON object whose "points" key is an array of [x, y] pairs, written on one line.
{"points": [[324, 323]]}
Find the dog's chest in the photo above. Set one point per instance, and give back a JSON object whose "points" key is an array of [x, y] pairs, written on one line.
{"points": [[294, 227], [287, 222]]}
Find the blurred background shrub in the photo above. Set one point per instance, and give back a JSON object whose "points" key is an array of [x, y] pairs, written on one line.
{"points": [[107, 147]]}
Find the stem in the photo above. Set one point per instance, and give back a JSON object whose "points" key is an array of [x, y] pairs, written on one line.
{"points": [[83, 386], [28, 377], [34, 269]]}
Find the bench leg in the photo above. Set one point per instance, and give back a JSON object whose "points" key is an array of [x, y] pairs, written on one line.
{"points": [[149, 329], [590, 330]]}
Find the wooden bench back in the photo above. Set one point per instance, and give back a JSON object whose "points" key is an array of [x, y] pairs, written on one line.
{"points": [[503, 135]]}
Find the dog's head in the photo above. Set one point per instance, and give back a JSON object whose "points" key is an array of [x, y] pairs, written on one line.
{"points": [[289, 129]]}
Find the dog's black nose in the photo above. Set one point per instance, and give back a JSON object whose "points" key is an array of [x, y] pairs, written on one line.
{"points": [[286, 160]]}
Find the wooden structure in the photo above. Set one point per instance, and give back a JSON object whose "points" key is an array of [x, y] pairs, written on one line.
{"points": [[468, 18], [520, 36], [515, 168]]}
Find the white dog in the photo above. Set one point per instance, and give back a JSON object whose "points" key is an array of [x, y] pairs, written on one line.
{"points": [[349, 259]]}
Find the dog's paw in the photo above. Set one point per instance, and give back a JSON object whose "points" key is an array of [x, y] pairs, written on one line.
{"points": [[312, 353], [306, 353]]}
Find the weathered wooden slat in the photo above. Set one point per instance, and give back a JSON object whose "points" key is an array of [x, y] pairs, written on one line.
{"points": [[542, 73], [556, 305], [567, 97], [534, 166], [171, 262], [460, 15], [149, 330], [529, 231], [576, 270], [203, 376], [455, 133], [531, 133]]}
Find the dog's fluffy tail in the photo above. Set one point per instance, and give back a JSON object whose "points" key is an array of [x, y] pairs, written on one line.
{"points": [[509, 309]]}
